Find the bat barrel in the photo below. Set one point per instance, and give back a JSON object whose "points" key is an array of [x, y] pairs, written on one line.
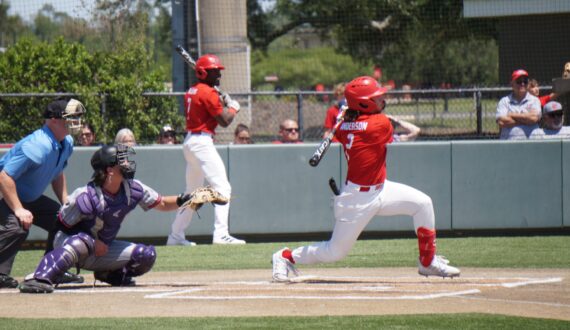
{"points": [[314, 161]]}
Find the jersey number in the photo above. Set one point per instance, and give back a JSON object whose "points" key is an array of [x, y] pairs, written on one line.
{"points": [[350, 138]]}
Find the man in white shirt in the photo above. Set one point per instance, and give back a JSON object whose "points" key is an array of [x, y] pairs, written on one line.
{"points": [[519, 112]]}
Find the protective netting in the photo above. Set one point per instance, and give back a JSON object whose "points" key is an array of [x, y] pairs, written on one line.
{"points": [[312, 45]]}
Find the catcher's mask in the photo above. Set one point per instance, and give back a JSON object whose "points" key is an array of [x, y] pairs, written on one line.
{"points": [[361, 94], [109, 156], [69, 109]]}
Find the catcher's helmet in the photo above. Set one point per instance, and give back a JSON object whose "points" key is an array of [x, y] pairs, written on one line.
{"points": [[360, 94], [109, 156], [206, 62]]}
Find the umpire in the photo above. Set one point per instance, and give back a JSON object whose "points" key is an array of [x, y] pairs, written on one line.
{"points": [[25, 172]]}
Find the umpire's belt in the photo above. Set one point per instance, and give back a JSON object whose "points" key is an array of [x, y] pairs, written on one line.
{"points": [[200, 133], [364, 188]]}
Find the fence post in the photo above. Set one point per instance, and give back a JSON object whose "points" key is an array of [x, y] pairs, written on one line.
{"points": [[300, 114], [103, 114], [479, 110]]}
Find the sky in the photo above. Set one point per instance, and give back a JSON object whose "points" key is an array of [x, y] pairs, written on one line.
{"points": [[27, 9]]}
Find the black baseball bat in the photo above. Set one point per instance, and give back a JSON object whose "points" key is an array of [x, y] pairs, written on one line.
{"points": [[334, 187], [326, 143], [190, 61]]}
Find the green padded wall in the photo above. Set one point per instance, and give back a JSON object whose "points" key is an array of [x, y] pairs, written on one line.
{"points": [[506, 184]]}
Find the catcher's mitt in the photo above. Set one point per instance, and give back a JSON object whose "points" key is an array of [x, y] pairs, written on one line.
{"points": [[201, 196]]}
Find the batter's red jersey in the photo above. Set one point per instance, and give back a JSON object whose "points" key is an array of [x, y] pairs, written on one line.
{"points": [[330, 118], [202, 104], [364, 142]]}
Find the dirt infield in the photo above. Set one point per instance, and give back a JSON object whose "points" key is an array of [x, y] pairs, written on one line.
{"points": [[543, 293]]}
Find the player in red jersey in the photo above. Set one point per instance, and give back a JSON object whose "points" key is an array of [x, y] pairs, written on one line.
{"points": [[364, 136], [205, 110]]}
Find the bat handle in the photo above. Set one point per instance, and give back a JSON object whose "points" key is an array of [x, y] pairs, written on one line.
{"points": [[314, 161]]}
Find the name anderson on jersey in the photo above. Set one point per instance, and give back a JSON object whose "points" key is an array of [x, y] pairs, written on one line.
{"points": [[354, 126]]}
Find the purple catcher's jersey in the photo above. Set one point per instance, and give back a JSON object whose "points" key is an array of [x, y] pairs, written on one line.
{"points": [[92, 210]]}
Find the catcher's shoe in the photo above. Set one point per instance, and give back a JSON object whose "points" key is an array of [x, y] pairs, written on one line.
{"points": [[227, 239], [115, 278], [6, 281], [67, 278], [282, 266], [36, 286], [184, 242], [438, 267]]}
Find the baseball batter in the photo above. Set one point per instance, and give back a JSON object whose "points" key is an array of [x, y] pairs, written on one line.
{"points": [[364, 135], [204, 112], [90, 220]]}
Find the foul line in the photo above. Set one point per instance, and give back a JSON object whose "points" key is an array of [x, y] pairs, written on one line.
{"points": [[518, 301], [175, 295]]}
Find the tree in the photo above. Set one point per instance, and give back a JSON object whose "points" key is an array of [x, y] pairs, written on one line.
{"points": [[120, 77]]}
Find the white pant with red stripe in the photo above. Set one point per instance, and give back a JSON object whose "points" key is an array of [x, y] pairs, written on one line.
{"points": [[353, 210], [203, 162]]}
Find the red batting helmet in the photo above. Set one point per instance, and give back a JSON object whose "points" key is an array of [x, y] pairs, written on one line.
{"points": [[206, 62], [361, 91]]}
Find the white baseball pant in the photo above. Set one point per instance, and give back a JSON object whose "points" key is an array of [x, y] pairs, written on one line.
{"points": [[203, 162], [354, 209]]}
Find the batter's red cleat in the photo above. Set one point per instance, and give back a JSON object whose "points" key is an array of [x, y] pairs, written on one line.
{"points": [[282, 266], [438, 267]]}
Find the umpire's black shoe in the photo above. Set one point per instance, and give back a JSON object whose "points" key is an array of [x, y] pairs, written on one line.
{"points": [[115, 278], [7, 282], [35, 286], [68, 277]]}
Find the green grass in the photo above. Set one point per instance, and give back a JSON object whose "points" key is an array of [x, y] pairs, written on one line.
{"points": [[424, 322], [504, 252]]}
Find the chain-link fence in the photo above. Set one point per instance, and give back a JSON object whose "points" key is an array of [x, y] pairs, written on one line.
{"points": [[441, 114]]}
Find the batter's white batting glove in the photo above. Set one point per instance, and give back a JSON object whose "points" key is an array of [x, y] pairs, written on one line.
{"points": [[234, 105], [226, 99]]}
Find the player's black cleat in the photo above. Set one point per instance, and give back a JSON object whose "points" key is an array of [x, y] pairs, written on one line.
{"points": [[35, 286], [68, 277], [7, 282], [115, 278]]}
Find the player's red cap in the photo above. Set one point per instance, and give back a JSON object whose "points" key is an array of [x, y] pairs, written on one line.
{"points": [[518, 73]]}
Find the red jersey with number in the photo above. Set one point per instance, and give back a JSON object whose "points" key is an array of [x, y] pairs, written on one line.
{"points": [[364, 141], [202, 105]]}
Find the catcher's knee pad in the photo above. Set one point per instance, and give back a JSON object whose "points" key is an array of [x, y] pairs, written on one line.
{"points": [[81, 245], [142, 260], [75, 249]]}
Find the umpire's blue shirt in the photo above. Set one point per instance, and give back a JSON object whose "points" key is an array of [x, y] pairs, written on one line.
{"points": [[35, 161]]}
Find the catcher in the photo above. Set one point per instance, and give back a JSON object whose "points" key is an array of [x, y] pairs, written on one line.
{"points": [[90, 220]]}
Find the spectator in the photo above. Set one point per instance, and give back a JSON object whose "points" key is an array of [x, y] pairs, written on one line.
{"points": [[90, 221], [519, 112], [205, 110], [289, 132], [533, 88], [410, 133], [167, 135], [552, 119], [333, 110], [26, 170], [125, 136], [241, 135], [87, 135]]}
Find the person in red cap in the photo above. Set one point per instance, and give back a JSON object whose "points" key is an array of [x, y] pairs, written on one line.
{"points": [[205, 110], [519, 112], [365, 134]]}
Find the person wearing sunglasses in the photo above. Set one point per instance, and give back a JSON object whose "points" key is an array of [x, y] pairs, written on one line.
{"points": [[552, 120], [518, 113], [242, 135], [167, 135], [288, 132]]}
